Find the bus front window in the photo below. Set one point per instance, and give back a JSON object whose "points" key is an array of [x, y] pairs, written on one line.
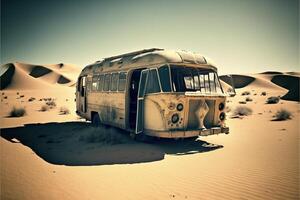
{"points": [[189, 79]]}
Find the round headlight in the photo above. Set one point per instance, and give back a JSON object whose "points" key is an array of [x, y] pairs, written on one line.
{"points": [[179, 107], [222, 116], [175, 118], [221, 106]]}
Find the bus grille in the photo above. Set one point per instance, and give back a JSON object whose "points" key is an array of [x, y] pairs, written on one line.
{"points": [[210, 116], [196, 107]]}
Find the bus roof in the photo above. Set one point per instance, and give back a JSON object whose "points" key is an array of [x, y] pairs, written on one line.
{"points": [[147, 57]]}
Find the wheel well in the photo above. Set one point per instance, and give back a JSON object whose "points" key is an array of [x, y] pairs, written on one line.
{"points": [[93, 113]]}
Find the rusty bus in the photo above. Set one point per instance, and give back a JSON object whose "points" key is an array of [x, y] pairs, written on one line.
{"points": [[154, 92]]}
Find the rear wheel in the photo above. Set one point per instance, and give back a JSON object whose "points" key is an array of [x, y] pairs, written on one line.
{"points": [[96, 120]]}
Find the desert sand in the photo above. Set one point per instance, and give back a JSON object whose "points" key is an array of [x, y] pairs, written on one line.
{"points": [[50, 155]]}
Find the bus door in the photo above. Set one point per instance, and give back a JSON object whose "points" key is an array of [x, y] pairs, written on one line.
{"points": [[82, 94], [140, 101]]}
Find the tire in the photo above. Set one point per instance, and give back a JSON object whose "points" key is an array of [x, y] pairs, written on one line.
{"points": [[141, 137], [96, 120]]}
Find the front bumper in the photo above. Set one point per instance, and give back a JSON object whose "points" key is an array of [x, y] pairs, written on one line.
{"points": [[187, 134]]}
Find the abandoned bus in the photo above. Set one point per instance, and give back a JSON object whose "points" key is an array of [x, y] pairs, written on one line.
{"points": [[154, 92]]}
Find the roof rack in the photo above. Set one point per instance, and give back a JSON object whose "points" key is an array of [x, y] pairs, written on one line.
{"points": [[132, 53]]}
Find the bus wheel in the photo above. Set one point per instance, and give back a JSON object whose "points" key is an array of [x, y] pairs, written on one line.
{"points": [[96, 120], [141, 137]]}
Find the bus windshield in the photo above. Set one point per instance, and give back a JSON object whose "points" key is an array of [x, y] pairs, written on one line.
{"points": [[190, 79]]}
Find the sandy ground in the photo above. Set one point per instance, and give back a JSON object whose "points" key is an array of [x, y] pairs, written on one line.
{"points": [[50, 158]]}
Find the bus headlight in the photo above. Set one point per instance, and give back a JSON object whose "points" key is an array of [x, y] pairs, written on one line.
{"points": [[179, 107], [175, 118], [222, 116], [221, 106]]}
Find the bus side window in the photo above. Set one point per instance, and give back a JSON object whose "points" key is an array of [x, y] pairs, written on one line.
{"points": [[94, 83], [152, 83], [88, 84], [106, 82], [114, 82], [122, 81], [100, 82]]}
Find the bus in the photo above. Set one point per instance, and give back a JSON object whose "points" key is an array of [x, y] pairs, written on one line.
{"points": [[154, 93]]}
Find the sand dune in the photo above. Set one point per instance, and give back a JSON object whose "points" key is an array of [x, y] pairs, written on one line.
{"points": [[285, 83], [46, 155], [239, 80], [28, 76], [291, 83]]}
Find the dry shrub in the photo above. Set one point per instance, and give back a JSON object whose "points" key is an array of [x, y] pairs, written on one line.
{"points": [[249, 99], [242, 102], [21, 96], [31, 99], [263, 94], [273, 100], [103, 135], [51, 103], [282, 115], [64, 111], [44, 108], [245, 93], [17, 112], [242, 111]]}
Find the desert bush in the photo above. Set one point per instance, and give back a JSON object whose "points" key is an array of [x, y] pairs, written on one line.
{"points": [[31, 99], [249, 99], [245, 93], [64, 111], [51, 103], [21, 96], [273, 100], [5, 97], [17, 112], [282, 115], [103, 135], [44, 108], [242, 102], [242, 111], [263, 94]]}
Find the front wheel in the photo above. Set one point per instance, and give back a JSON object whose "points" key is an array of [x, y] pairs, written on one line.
{"points": [[96, 120], [141, 137]]}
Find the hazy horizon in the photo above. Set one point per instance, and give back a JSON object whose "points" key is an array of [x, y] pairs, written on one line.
{"points": [[239, 36]]}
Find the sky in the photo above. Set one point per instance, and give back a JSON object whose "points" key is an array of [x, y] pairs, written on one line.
{"points": [[240, 36]]}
